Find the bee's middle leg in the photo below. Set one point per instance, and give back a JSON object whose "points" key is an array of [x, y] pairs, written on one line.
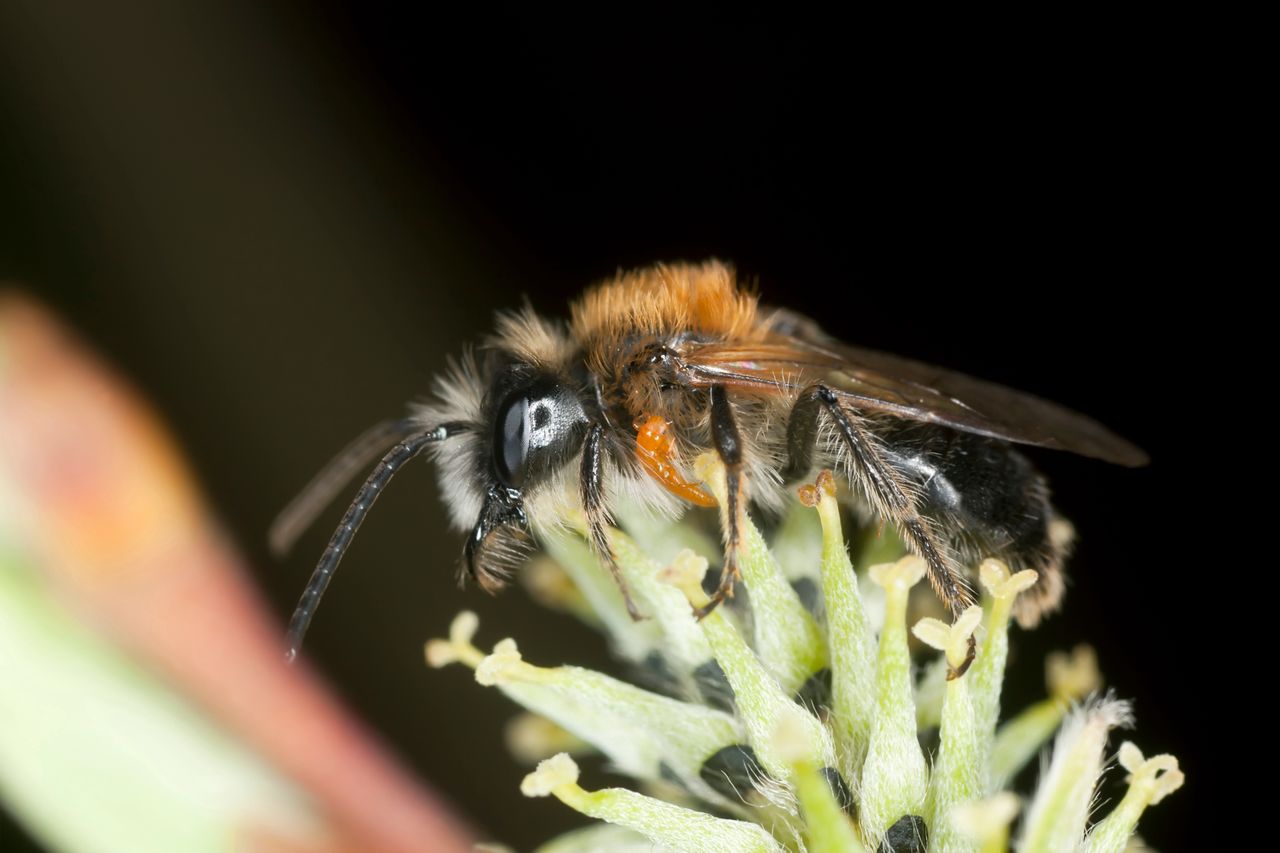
{"points": [[728, 443]]}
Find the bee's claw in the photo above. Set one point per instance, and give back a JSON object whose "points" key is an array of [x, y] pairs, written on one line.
{"points": [[632, 610], [700, 613], [954, 673], [725, 590]]}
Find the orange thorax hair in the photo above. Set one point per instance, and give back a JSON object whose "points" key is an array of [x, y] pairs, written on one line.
{"points": [[663, 302], [669, 306]]}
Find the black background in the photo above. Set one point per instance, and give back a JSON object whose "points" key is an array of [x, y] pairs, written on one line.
{"points": [[279, 223]]}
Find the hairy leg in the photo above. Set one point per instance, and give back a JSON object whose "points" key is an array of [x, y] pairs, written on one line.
{"points": [[888, 492], [591, 487], [728, 444]]}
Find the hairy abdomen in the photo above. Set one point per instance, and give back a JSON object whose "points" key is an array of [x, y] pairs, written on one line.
{"points": [[986, 500]]}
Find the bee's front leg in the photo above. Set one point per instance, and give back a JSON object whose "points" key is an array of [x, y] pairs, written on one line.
{"points": [[728, 443], [591, 488]]}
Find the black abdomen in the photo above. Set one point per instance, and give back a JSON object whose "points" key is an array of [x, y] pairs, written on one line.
{"points": [[981, 493]]}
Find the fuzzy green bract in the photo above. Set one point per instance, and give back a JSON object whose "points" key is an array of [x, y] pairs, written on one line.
{"points": [[792, 720]]}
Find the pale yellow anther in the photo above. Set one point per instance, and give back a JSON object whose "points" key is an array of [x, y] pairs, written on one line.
{"points": [[548, 583], [996, 579], [440, 653], [685, 573], [791, 735], [1130, 756], [984, 820], [552, 773], [1167, 783], [902, 575], [952, 639], [1061, 533], [532, 737], [458, 648], [708, 468], [1019, 583], [498, 667], [993, 573], [1162, 763], [574, 519], [964, 627], [934, 633], [1160, 774], [462, 630], [1072, 677]]}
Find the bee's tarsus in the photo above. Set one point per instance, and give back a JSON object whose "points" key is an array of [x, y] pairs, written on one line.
{"points": [[591, 491], [724, 590], [632, 610], [728, 442], [700, 613]]}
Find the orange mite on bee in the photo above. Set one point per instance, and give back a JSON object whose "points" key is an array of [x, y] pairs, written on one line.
{"points": [[663, 363]]}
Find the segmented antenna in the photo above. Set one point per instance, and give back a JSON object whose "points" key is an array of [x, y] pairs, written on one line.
{"points": [[324, 486], [351, 521]]}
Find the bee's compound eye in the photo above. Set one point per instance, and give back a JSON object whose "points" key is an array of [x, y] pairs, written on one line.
{"points": [[511, 440], [537, 428]]}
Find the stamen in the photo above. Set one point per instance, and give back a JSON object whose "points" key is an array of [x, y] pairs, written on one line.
{"points": [[785, 635], [986, 822], [1150, 781], [1057, 816], [895, 775], [958, 769], [1070, 679], [641, 733], [988, 671], [671, 826], [827, 828], [758, 696], [532, 737], [849, 635]]}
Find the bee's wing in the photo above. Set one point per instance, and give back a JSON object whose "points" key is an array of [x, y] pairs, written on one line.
{"points": [[879, 382]]}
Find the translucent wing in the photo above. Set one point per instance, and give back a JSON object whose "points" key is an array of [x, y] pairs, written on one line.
{"points": [[798, 355]]}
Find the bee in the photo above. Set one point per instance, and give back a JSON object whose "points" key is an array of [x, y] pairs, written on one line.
{"points": [[660, 364]]}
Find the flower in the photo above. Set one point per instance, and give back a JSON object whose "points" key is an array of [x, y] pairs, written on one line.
{"points": [[794, 720]]}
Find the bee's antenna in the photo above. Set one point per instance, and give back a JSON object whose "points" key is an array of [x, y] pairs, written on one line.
{"points": [[364, 499], [324, 487]]}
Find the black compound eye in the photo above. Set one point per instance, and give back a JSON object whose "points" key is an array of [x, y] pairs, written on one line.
{"points": [[537, 428], [511, 440]]}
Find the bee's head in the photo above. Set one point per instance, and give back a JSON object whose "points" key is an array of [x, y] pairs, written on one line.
{"points": [[526, 424], [501, 432]]}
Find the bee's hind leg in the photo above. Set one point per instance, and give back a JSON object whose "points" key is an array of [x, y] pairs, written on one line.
{"points": [[591, 487], [884, 487], [728, 442]]}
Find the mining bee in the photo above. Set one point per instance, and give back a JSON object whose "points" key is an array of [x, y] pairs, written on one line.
{"points": [[658, 365]]}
